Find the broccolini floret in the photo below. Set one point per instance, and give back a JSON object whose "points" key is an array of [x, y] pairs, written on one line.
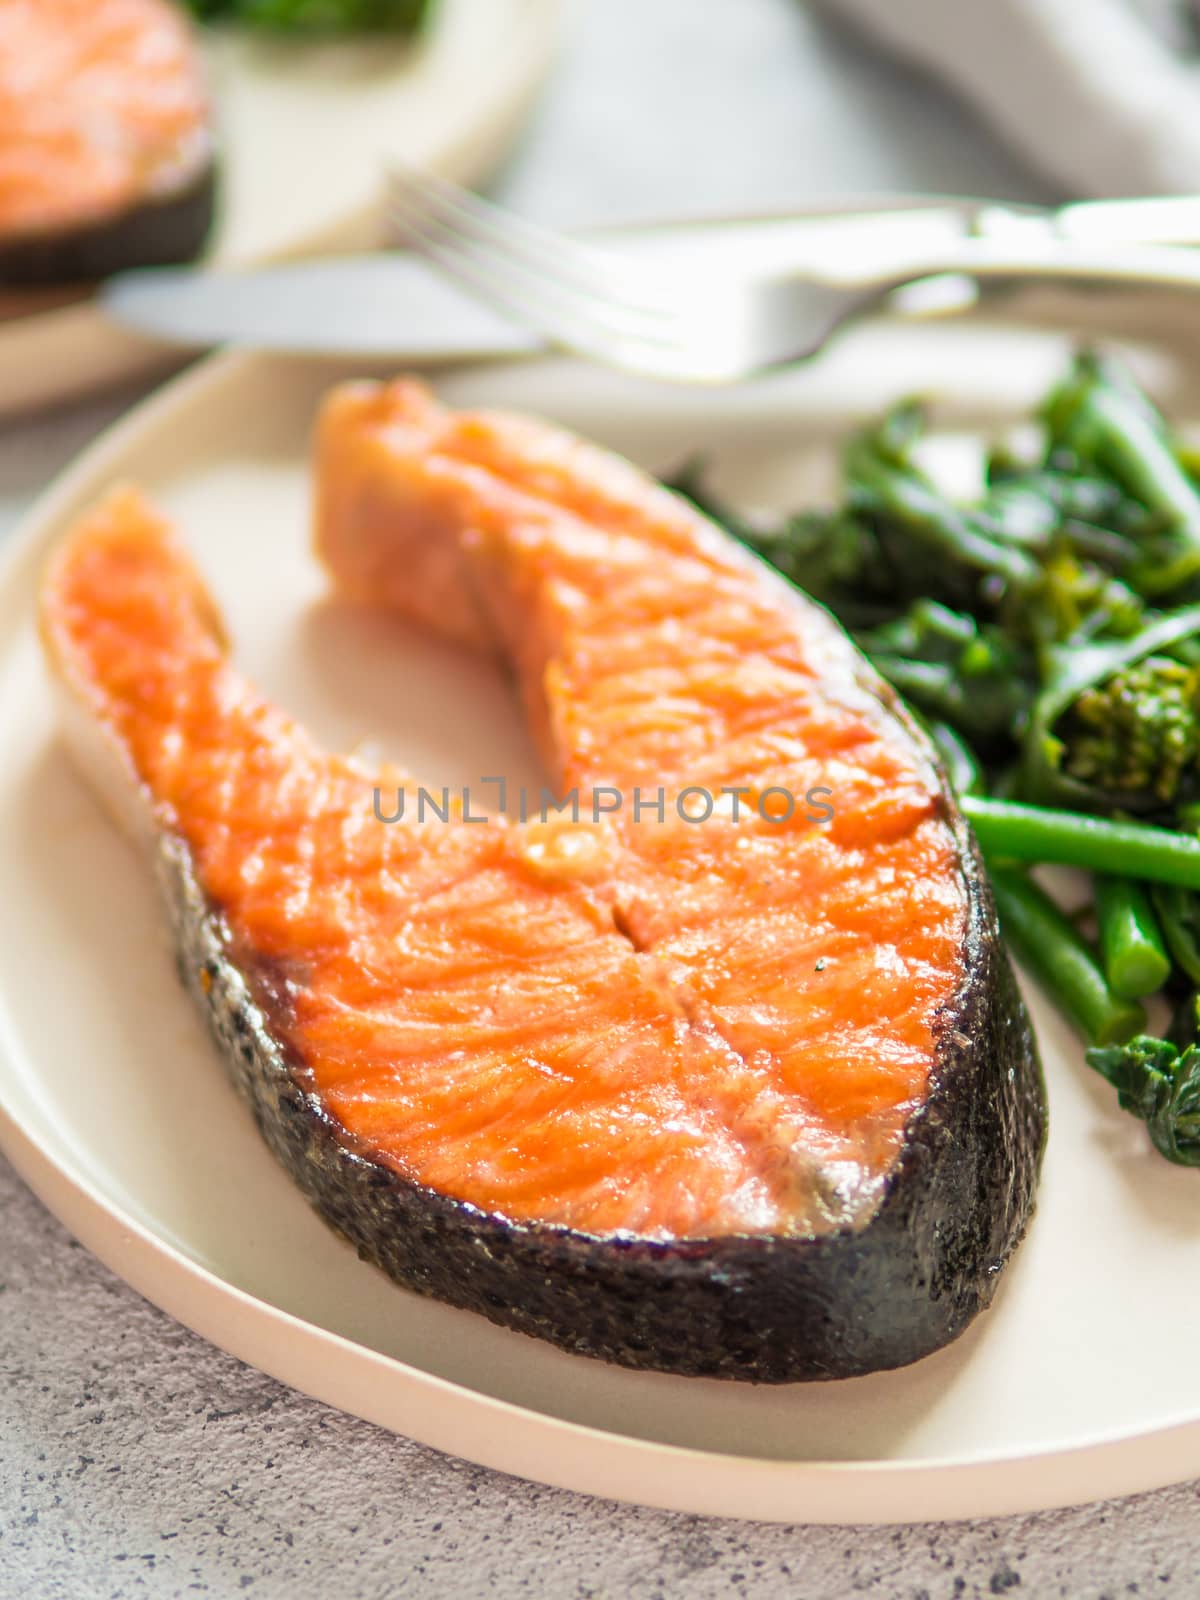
{"points": [[1159, 1082], [1137, 733]]}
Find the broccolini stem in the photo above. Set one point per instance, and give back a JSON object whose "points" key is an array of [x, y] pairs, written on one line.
{"points": [[1057, 955], [1140, 457], [963, 770], [1013, 832], [949, 533], [1136, 961], [1178, 912], [1121, 432]]}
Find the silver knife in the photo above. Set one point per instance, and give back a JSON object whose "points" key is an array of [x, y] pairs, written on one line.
{"points": [[394, 305], [386, 304]]}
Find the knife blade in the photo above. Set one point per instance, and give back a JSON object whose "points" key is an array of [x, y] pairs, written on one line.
{"points": [[394, 305], [366, 305]]}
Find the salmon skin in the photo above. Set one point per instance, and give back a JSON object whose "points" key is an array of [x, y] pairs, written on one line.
{"points": [[106, 151], [751, 1097]]}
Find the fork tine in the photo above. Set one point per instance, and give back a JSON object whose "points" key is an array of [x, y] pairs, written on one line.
{"points": [[566, 321], [552, 260], [522, 288], [531, 292], [481, 219], [572, 295]]}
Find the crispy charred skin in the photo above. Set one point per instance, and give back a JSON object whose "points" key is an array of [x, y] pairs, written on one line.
{"points": [[766, 1309], [159, 232]]}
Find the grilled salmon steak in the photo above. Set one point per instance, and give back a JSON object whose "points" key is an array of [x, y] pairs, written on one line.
{"points": [[106, 156], [715, 1065]]}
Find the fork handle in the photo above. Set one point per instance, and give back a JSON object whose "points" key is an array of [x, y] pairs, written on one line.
{"points": [[1045, 257]]}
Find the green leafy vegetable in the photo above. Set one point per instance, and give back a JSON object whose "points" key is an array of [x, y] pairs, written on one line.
{"points": [[1088, 513], [896, 540], [1010, 831], [1136, 736], [1160, 1083], [1178, 912], [1136, 961], [1101, 421], [1076, 769], [935, 548], [319, 16], [1068, 602], [962, 767], [955, 669], [1058, 956]]}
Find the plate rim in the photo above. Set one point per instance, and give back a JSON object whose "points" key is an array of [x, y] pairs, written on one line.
{"points": [[581, 1457]]}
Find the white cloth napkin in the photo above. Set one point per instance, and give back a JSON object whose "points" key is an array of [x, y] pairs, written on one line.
{"points": [[1090, 92]]}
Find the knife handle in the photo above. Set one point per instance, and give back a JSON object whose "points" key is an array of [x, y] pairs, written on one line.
{"points": [[1166, 220]]}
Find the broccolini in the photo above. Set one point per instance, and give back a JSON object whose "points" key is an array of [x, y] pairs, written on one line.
{"points": [[1160, 1083], [319, 16], [954, 669], [1138, 733]]}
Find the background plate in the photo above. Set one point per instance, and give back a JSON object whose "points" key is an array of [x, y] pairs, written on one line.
{"points": [[117, 1111], [304, 133]]}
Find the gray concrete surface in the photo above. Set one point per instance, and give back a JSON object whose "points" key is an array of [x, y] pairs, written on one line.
{"points": [[136, 1460]]}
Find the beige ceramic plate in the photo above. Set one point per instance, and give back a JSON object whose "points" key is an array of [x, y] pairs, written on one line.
{"points": [[305, 132], [1077, 1384]]}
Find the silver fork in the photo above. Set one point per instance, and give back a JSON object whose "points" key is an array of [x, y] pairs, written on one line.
{"points": [[698, 327]]}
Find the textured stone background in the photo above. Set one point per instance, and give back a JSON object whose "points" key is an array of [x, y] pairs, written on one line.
{"points": [[136, 1460]]}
